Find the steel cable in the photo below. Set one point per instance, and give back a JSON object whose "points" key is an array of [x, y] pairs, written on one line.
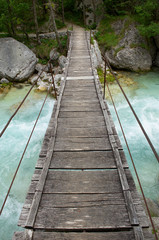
{"points": [[131, 158], [15, 174], [7, 124]]}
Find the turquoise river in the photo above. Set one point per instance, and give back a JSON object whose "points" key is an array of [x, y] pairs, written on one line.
{"points": [[144, 96]]}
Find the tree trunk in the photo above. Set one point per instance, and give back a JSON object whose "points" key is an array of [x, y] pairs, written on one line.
{"points": [[36, 21], [63, 12], [84, 12], [54, 25], [10, 18], [94, 10]]}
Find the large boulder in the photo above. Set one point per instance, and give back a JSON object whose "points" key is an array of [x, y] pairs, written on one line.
{"points": [[17, 60], [131, 52]]}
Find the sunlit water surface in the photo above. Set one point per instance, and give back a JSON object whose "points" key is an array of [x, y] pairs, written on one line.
{"points": [[12, 145], [144, 97]]}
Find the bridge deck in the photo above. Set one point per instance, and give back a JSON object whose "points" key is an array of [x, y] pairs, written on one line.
{"points": [[82, 188]]}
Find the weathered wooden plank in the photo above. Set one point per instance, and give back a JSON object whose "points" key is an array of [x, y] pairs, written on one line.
{"points": [[81, 200], [92, 132], [81, 122], [81, 115], [79, 83], [83, 218], [80, 104], [125, 235], [73, 72], [82, 144], [83, 182], [83, 160]]}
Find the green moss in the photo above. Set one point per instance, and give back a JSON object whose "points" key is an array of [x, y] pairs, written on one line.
{"points": [[92, 40], [118, 50], [109, 77], [142, 45], [4, 85], [105, 35]]}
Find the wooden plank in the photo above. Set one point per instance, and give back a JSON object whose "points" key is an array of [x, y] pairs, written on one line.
{"points": [[73, 72], [90, 132], [81, 115], [106, 181], [82, 78], [80, 104], [110, 217], [80, 89], [125, 235], [81, 200], [83, 160], [81, 122], [82, 144], [79, 83]]}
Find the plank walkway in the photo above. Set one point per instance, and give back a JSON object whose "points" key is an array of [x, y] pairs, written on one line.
{"points": [[82, 188]]}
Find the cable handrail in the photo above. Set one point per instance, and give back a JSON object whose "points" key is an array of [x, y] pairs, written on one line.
{"points": [[132, 109], [133, 163], [21, 103], [17, 169]]}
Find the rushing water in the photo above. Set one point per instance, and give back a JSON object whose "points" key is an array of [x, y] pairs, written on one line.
{"points": [[144, 97], [12, 145]]}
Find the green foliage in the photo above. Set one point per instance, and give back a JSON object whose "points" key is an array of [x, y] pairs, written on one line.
{"points": [[59, 24], [43, 50], [109, 77], [118, 7], [146, 15], [4, 85], [105, 35], [149, 31]]}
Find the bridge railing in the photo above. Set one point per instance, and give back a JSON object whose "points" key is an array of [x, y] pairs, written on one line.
{"points": [[107, 64]]}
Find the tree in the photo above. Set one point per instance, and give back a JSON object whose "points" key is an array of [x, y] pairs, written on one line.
{"points": [[63, 12], [51, 5], [36, 21], [84, 12]]}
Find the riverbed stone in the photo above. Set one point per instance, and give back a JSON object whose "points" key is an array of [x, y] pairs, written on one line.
{"points": [[54, 54], [62, 61], [4, 80], [17, 61]]}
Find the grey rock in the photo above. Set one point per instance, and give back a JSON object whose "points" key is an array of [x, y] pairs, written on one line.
{"points": [[54, 55], [156, 62], [17, 60], [62, 61], [134, 59], [4, 80], [33, 79], [39, 67], [130, 53], [58, 77]]}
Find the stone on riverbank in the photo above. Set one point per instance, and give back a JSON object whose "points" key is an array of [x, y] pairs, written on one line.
{"points": [[131, 52], [17, 61]]}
